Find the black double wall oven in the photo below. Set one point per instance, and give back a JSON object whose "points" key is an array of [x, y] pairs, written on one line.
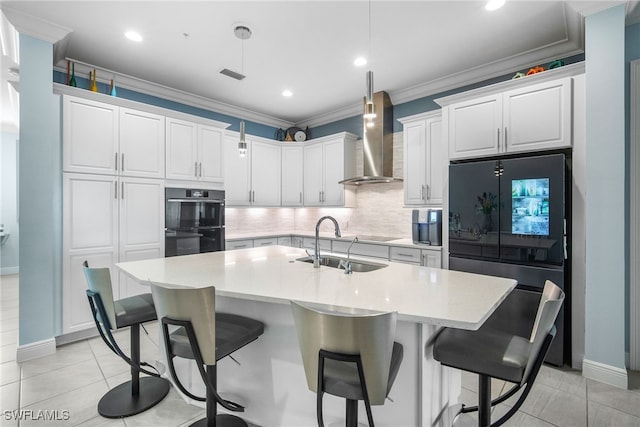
{"points": [[194, 221], [510, 217]]}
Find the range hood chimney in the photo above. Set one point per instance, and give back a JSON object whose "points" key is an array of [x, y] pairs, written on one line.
{"points": [[377, 144]]}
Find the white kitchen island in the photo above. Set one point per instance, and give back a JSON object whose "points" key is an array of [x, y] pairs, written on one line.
{"points": [[260, 283]]}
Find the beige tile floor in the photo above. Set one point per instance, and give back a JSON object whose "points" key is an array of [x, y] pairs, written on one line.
{"points": [[78, 374]]}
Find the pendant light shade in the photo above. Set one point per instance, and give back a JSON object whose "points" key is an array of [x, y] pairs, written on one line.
{"points": [[242, 144], [369, 109]]}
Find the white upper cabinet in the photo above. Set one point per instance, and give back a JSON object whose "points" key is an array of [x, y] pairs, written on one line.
{"points": [[90, 135], [254, 179], [475, 126], [265, 173], [526, 118], [292, 175], [326, 162], [141, 144], [425, 158], [194, 151], [538, 117], [110, 140]]}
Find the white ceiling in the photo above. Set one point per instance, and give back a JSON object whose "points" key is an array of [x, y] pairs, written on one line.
{"points": [[417, 47]]}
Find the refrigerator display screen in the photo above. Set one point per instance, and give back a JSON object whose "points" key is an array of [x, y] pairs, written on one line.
{"points": [[530, 206]]}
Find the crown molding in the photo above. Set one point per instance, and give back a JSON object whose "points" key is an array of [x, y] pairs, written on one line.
{"points": [[164, 92], [35, 27]]}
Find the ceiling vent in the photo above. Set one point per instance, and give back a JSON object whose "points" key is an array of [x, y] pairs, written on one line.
{"points": [[229, 73]]}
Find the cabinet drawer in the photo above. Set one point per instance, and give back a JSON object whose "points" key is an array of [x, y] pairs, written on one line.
{"points": [[407, 255], [364, 249], [239, 244], [309, 243], [267, 241]]}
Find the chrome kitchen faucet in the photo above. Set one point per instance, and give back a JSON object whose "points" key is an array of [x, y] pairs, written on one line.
{"points": [[316, 255]]}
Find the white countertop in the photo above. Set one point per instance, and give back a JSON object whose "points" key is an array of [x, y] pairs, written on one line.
{"points": [[271, 274]]}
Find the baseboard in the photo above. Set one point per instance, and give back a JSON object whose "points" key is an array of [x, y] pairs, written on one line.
{"points": [[611, 375], [9, 270], [76, 336], [35, 350]]}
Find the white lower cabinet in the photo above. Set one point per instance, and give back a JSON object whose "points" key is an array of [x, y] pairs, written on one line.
{"points": [[238, 244], [363, 249], [406, 255], [310, 243], [107, 219], [267, 241], [432, 258]]}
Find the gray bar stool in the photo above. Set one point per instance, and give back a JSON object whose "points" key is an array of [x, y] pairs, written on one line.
{"points": [[138, 394], [206, 337], [493, 353], [349, 355]]}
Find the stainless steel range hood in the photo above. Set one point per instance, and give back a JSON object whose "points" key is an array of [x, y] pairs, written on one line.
{"points": [[377, 145]]}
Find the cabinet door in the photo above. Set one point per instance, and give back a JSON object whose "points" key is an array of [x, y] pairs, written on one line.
{"points": [[474, 127], [90, 136], [538, 117], [210, 167], [436, 163], [333, 161], [237, 174], [415, 146], [141, 230], [292, 176], [142, 148], [265, 174], [432, 258], [181, 149], [90, 232], [313, 178]]}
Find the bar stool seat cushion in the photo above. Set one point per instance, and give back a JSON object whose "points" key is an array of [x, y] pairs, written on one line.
{"points": [[486, 351], [232, 332], [134, 310], [341, 378]]}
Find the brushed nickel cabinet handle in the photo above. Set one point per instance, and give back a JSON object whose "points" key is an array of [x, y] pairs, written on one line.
{"points": [[195, 172], [505, 138], [122, 191], [498, 139], [116, 161], [116, 190], [122, 162]]}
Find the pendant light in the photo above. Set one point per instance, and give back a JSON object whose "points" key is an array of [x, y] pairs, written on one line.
{"points": [[369, 108], [243, 33], [242, 144]]}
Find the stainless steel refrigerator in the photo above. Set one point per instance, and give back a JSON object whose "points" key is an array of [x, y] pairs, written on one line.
{"points": [[508, 217]]}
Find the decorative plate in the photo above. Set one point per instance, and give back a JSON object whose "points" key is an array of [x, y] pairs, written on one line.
{"points": [[300, 136]]}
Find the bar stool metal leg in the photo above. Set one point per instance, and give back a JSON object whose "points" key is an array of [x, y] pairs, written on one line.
{"points": [[484, 400], [136, 395]]}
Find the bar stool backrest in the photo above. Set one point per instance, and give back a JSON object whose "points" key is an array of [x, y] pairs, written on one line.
{"points": [[99, 281], [196, 305], [550, 303], [370, 335]]}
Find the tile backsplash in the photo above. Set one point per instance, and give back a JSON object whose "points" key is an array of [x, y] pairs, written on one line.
{"points": [[379, 209]]}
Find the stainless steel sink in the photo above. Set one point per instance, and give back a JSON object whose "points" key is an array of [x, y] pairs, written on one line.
{"points": [[335, 262]]}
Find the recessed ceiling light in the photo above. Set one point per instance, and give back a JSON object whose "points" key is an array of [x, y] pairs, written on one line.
{"points": [[360, 61], [287, 93], [494, 4], [133, 36]]}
